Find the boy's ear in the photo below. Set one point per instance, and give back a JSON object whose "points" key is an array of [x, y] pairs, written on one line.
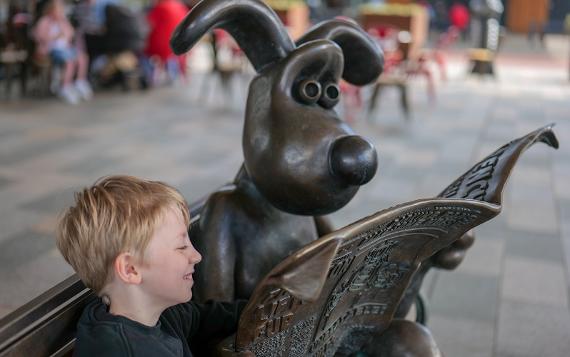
{"points": [[127, 268]]}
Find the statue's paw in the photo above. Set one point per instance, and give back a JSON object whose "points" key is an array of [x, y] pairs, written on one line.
{"points": [[449, 258], [404, 338]]}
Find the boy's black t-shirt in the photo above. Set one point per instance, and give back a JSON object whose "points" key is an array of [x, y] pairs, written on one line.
{"points": [[198, 325]]}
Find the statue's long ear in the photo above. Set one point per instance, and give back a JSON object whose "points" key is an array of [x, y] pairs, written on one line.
{"points": [[255, 27], [363, 59]]}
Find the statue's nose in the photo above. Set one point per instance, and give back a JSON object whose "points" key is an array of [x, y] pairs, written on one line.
{"points": [[354, 160]]}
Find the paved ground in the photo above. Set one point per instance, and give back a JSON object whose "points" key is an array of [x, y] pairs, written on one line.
{"points": [[508, 298]]}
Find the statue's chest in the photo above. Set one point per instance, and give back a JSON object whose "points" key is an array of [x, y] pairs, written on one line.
{"points": [[282, 238], [266, 245]]}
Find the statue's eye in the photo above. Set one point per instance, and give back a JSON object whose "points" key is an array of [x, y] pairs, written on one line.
{"points": [[330, 96], [309, 91]]}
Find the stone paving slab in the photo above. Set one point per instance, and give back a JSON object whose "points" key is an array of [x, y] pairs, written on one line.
{"points": [[463, 337], [537, 247], [23, 247], [485, 258], [533, 281], [531, 330], [454, 288]]}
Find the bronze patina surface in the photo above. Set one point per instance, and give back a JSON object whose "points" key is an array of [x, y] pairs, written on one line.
{"points": [[301, 160], [346, 285], [337, 294]]}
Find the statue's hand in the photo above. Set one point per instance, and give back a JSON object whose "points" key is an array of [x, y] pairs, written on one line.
{"points": [[449, 258]]}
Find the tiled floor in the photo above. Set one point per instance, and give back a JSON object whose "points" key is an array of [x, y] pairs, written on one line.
{"points": [[508, 298]]}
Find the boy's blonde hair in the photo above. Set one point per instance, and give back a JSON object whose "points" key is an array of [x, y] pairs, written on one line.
{"points": [[117, 214]]}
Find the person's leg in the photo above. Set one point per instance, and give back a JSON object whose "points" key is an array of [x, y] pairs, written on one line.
{"points": [[94, 45], [182, 67], [172, 66], [439, 59], [82, 65], [60, 57], [68, 73], [66, 58], [82, 85], [148, 70]]}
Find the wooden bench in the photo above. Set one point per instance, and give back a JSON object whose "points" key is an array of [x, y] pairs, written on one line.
{"points": [[46, 325]]}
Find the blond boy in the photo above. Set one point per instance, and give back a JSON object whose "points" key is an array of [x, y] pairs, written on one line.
{"points": [[127, 239]]}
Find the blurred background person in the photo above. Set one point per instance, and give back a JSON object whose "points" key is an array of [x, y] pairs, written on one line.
{"points": [[115, 45], [459, 17], [440, 16], [163, 17], [91, 17], [54, 36]]}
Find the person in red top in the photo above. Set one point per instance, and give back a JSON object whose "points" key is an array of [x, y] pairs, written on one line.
{"points": [[163, 18], [459, 16]]}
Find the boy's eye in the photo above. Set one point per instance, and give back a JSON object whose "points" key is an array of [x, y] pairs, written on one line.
{"points": [[183, 247]]}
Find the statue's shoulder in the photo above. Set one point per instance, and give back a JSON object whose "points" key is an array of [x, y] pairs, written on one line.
{"points": [[219, 199]]}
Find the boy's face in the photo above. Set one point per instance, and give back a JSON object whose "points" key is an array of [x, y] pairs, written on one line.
{"points": [[169, 262]]}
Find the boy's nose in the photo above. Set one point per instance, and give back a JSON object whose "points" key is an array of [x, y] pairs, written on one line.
{"points": [[195, 257]]}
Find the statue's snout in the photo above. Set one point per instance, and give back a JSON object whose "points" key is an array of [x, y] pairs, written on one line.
{"points": [[354, 160]]}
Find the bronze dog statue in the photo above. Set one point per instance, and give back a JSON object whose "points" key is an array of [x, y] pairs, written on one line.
{"points": [[301, 160]]}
